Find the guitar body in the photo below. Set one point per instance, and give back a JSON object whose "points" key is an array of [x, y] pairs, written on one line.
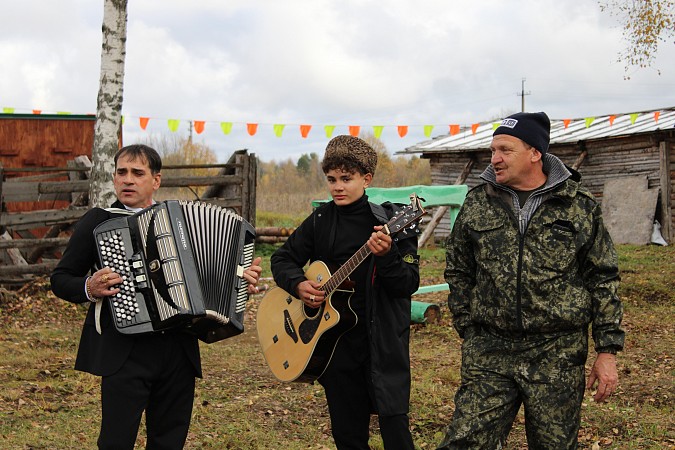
{"points": [[298, 342]]}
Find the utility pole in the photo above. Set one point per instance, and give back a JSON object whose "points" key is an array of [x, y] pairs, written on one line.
{"points": [[190, 132], [522, 95]]}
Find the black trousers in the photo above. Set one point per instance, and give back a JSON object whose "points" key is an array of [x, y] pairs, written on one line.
{"points": [[349, 394], [157, 378]]}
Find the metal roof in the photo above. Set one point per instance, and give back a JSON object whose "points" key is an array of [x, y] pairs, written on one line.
{"points": [[563, 131]]}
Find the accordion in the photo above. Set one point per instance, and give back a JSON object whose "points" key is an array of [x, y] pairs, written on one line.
{"points": [[182, 265]]}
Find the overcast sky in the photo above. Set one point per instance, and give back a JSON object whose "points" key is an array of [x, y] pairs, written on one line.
{"points": [[327, 62]]}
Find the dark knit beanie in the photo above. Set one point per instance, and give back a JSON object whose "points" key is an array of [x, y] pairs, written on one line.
{"points": [[353, 150], [531, 128]]}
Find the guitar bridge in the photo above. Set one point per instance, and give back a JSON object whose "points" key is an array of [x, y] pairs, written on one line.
{"points": [[288, 326]]}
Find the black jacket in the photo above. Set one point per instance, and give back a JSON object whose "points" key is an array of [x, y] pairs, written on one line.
{"points": [[395, 277], [100, 354]]}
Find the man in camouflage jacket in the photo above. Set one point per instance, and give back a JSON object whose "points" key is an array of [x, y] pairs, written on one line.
{"points": [[529, 266]]}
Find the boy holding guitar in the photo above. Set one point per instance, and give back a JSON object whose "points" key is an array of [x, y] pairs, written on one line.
{"points": [[365, 367]]}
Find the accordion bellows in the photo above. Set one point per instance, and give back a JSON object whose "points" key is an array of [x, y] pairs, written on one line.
{"points": [[182, 265]]}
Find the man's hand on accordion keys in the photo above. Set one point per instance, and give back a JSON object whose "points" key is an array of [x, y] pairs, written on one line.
{"points": [[103, 284], [252, 275]]}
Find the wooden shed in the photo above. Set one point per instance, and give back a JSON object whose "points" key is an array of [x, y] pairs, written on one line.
{"points": [[32, 141], [603, 149]]}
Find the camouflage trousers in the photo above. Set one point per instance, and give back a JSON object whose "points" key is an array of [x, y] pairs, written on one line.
{"points": [[544, 373]]}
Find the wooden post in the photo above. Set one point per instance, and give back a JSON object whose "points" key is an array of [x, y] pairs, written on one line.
{"points": [[666, 192], [580, 159], [440, 212], [2, 199]]}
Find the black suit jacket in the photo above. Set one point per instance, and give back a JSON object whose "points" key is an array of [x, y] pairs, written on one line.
{"points": [[100, 354]]}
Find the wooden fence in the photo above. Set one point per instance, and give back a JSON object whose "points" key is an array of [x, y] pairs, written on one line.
{"points": [[40, 206]]}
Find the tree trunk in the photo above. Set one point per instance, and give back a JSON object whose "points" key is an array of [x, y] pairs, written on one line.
{"points": [[109, 103]]}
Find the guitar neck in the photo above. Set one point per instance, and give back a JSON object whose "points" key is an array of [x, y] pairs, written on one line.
{"points": [[346, 269]]}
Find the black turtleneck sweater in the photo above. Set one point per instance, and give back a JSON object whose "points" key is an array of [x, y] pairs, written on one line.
{"points": [[353, 227]]}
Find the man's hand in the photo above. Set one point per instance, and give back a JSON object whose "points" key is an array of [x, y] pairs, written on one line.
{"points": [[252, 275], [604, 372]]}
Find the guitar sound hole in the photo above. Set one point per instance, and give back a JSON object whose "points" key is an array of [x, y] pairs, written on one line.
{"points": [[312, 313]]}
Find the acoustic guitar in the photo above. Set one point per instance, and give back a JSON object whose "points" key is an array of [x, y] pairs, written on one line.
{"points": [[298, 341]]}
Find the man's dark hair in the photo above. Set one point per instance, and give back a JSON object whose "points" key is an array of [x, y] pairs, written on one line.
{"points": [[144, 152]]}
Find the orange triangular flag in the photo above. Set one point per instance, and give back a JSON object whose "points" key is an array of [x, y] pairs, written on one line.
{"points": [[144, 122], [474, 128], [252, 128], [199, 126], [354, 130], [656, 116], [37, 111], [402, 130], [454, 129], [611, 120], [304, 130], [566, 122]]}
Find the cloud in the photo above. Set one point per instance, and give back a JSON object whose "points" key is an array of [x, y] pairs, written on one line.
{"points": [[353, 62]]}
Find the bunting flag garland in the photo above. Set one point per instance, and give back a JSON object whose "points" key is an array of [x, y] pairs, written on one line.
{"points": [[353, 130], [173, 124], [278, 129], [226, 127], [199, 126]]}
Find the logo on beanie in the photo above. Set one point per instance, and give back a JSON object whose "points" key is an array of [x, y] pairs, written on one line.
{"points": [[509, 123]]}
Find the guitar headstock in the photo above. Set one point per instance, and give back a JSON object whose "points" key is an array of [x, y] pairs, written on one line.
{"points": [[408, 215]]}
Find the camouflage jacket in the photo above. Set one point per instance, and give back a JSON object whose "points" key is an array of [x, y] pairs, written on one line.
{"points": [[558, 272]]}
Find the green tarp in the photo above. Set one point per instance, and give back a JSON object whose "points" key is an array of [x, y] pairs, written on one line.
{"points": [[451, 195]]}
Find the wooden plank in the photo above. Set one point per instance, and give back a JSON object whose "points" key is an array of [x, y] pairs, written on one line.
{"points": [[28, 269], [41, 218], [44, 190], [30, 243], [666, 183]]}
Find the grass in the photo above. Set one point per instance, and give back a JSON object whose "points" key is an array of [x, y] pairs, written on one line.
{"points": [[45, 404]]}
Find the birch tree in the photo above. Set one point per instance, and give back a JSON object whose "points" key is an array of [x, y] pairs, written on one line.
{"points": [[646, 24], [109, 103]]}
